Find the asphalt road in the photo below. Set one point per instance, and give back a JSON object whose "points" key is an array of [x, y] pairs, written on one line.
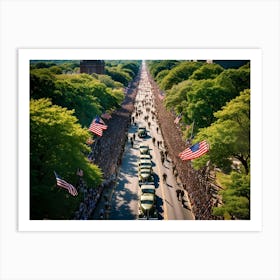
{"points": [[126, 193]]}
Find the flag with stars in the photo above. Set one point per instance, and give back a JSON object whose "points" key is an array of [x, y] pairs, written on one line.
{"points": [[195, 151]]}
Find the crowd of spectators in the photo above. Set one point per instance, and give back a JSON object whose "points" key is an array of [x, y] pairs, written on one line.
{"points": [[195, 182], [91, 198], [107, 152]]}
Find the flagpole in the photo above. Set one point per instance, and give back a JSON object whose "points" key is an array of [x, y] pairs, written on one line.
{"points": [[192, 130]]}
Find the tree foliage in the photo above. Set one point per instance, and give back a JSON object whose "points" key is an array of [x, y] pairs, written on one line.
{"points": [[133, 68], [198, 100], [57, 143], [229, 135], [118, 75], [122, 71], [85, 94], [179, 73], [236, 198], [65, 66], [161, 75], [207, 71], [157, 66]]}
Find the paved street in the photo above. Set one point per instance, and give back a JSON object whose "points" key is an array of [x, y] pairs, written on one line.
{"points": [[126, 193]]}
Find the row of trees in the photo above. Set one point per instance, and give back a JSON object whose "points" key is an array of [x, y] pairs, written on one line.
{"points": [[62, 107], [216, 101]]}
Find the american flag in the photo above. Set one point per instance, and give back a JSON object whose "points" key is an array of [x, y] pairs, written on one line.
{"points": [[99, 120], [97, 127], [195, 151], [178, 118], [62, 183]]}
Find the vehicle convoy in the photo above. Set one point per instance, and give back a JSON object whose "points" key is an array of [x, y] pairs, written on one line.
{"points": [[144, 149], [145, 175], [148, 188], [145, 156], [142, 132], [145, 163], [147, 207]]}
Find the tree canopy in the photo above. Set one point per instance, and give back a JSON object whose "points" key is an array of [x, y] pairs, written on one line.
{"points": [[158, 66], [57, 143], [229, 135], [179, 73], [236, 198], [198, 100], [85, 94], [207, 71]]}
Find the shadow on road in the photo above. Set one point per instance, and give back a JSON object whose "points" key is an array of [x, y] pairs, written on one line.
{"points": [[160, 208], [156, 180], [122, 200]]}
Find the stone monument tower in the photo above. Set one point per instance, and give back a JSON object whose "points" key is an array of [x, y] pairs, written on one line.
{"points": [[92, 66]]}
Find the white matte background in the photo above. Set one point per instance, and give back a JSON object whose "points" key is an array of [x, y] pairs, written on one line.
{"points": [[139, 24]]}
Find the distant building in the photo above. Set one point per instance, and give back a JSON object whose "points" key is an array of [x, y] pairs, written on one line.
{"points": [[227, 63], [231, 63], [92, 66]]}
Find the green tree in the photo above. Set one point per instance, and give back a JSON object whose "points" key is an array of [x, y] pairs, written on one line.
{"points": [[109, 82], [177, 95], [207, 71], [236, 198], [204, 99], [161, 75], [179, 73], [156, 66], [198, 100], [42, 83], [118, 75], [55, 69], [85, 94], [236, 80], [229, 135], [132, 66], [57, 142]]}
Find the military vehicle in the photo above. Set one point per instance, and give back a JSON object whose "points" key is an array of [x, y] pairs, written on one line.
{"points": [[142, 132]]}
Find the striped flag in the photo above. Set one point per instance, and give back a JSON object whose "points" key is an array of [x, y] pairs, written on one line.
{"points": [[99, 120], [178, 118], [63, 184], [97, 127], [195, 151]]}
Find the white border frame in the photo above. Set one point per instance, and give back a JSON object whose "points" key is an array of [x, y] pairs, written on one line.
{"points": [[24, 57]]}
